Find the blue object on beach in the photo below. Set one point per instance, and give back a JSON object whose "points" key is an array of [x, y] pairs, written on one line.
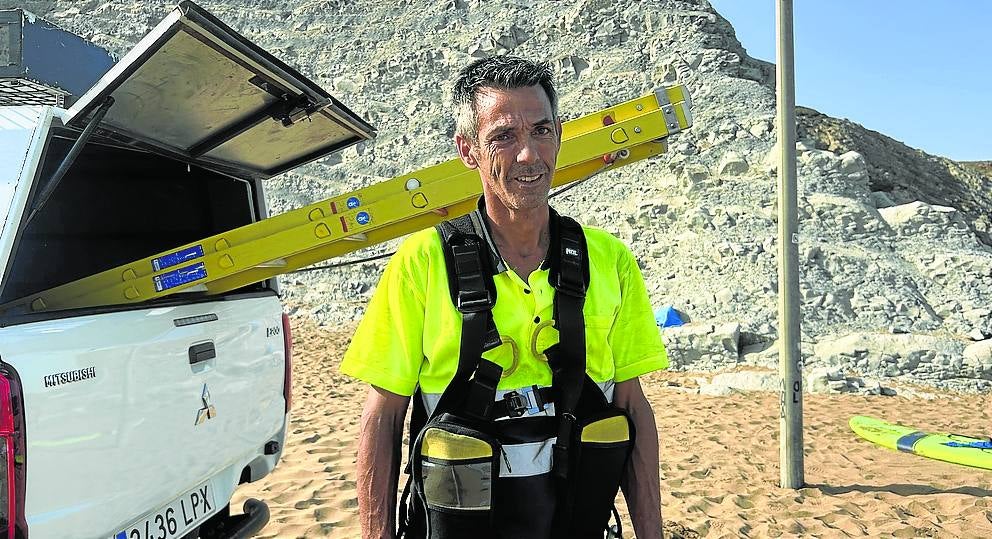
{"points": [[667, 317], [985, 444]]}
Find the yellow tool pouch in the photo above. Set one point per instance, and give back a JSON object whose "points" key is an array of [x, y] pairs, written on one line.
{"points": [[454, 471]]}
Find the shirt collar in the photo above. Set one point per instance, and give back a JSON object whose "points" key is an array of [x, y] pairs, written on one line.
{"points": [[482, 226]]}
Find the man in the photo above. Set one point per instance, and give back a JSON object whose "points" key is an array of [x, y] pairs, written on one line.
{"points": [[509, 130]]}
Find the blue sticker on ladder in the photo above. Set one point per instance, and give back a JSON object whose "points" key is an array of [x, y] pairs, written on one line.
{"points": [[180, 277], [121, 535], [176, 258], [363, 218], [907, 442], [353, 203]]}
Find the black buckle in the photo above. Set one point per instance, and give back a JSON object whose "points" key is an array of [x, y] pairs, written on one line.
{"points": [[516, 404], [474, 301]]}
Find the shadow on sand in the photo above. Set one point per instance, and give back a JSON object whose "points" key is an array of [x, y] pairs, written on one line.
{"points": [[901, 489]]}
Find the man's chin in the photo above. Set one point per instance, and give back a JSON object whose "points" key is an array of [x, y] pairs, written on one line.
{"points": [[517, 200], [528, 203]]}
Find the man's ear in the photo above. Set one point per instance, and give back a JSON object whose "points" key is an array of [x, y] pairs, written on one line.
{"points": [[558, 124], [465, 147]]}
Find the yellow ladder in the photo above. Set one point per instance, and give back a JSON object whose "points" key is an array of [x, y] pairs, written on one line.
{"points": [[610, 138]]}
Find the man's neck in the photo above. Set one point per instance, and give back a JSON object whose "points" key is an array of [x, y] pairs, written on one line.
{"points": [[522, 236]]}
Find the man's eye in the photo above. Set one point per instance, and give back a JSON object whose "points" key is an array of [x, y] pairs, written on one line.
{"points": [[543, 130], [502, 137]]}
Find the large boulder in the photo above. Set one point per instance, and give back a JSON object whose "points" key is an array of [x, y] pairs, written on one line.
{"points": [[703, 347], [979, 353], [920, 357]]}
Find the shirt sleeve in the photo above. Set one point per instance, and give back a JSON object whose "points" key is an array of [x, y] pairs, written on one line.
{"points": [[387, 349], [635, 339]]}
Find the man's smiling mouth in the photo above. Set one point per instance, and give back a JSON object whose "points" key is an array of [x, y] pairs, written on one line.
{"points": [[529, 179]]}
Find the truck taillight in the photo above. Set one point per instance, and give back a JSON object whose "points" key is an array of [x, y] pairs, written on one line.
{"points": [[8, 452], [287, 387]]}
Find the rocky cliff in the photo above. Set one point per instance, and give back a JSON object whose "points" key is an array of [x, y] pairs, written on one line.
{"points": [[895, 243]]}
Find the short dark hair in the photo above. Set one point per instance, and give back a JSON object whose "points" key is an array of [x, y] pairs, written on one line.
{"points": [[502, 72]]}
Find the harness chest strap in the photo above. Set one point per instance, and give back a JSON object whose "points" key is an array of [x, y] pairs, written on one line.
{"points": [[530, 400]]}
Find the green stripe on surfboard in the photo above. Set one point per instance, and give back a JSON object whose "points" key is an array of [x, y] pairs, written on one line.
{"points": [[930, 445]]}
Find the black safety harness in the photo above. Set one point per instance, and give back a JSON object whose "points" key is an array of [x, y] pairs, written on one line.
{"points": [[471, 393]]}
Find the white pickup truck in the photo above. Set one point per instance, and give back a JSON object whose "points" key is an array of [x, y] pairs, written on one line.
{"points": [[139, 421]]}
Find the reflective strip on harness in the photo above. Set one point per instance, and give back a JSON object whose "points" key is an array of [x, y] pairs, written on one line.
{"points": [[527, 459], [609, 430], [440, 444], [431, 399]]}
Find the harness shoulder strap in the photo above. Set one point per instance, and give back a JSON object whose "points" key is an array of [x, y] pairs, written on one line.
{"points": [[569, 274], [577, 394], [473, 293]]}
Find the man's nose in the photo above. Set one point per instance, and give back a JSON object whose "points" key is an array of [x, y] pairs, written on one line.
{"points": [[528, 152]]}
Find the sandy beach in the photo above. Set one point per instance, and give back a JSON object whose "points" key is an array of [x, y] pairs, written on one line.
{"points": [[719, 461]]}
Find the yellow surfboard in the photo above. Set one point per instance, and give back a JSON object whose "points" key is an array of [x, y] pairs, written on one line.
{"points": [[955, 448]]}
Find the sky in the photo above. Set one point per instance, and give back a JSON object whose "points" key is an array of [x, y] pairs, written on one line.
{"points": [[917, 71]]}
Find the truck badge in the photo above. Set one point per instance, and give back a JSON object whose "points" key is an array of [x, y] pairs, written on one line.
{"points": [[69, 377], [208, 411]]}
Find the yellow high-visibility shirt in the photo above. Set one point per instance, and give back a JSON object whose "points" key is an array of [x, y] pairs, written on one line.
{"points": [[410, 332]]}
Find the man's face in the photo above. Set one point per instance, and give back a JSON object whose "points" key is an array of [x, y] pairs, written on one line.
{"points": [[517, 146]]}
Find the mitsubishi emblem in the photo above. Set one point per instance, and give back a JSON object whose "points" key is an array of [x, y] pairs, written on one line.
{"points": [[208, 411]]}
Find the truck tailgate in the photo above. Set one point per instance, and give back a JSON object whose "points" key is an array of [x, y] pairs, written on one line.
{"points": [[127, 411]]}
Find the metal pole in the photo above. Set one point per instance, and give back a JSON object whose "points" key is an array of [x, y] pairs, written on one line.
{"points": [[790, 358]]}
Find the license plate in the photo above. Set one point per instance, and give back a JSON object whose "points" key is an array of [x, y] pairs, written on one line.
{"points": [[175, 519]]}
